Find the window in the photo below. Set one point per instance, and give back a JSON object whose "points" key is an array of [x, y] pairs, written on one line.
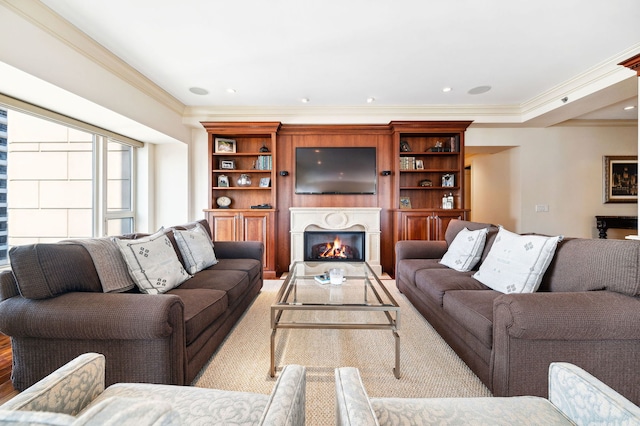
{"points": [[61, 182]]}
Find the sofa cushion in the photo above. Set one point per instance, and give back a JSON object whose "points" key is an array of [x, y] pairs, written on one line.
{"points": [[465, 250], [582, 264], [434, 283], [234, 283], [516, 263], [47, 270], [196, 248], [407, 268], [153, 263], [201, 308], [252, 267], [473, 310]]}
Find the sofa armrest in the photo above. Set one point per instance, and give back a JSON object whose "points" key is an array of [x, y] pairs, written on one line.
{"points": [[420, 249], [8, 287], [596, 330], [98, 316], [239, 249], [586, 400], [67, 390], [352, 402], [286, 405], [590, 315]]}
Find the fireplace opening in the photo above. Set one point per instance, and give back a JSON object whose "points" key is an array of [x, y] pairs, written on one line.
{"points": [[334, 246]]}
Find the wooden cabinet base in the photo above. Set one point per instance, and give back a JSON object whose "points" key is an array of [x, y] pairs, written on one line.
{"points": [[246, 225]]}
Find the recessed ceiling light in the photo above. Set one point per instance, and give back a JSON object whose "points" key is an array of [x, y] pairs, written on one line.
{"points": [[198, 91], [479, 90], [446, 89], [231, 90], [305, 100], [630, 107], [371, 100]]}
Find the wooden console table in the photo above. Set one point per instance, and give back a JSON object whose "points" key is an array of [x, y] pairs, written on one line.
{"points": [[618, 222]]}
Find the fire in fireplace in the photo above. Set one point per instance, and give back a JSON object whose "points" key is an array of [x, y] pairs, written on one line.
{"points": [[334, 246]]}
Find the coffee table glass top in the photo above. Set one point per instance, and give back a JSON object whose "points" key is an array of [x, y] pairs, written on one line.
{"points": [[305, 286]]}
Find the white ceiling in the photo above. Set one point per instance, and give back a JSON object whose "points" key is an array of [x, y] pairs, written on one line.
{"points": [[341, 52]]}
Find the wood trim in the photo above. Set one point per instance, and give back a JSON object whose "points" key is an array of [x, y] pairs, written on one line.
{"points": [[244, 128], [632, 63]]}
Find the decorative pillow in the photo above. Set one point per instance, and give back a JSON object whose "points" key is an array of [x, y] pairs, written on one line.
{"points": [[196, 248], [516, 263], [465, 250], [153, 263]]}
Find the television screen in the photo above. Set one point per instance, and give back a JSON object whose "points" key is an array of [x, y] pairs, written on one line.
{"points": [[336, 170]]}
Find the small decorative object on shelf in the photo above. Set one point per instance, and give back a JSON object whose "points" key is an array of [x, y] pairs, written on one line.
{"points": [[405, 202], [227, 164], [223, 181], [265, 182], [223, 202], [448, 180], [437, 147], [404, 146], [222, 145], [244, 180], [264, 148], [425, 182], [419, 165], [447, 201]]}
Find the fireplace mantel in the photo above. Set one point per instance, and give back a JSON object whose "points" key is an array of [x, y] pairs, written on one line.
{"points": [[366, 219]]}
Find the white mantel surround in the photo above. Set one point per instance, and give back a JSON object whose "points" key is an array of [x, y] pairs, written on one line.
{"points": [[365, 219]]}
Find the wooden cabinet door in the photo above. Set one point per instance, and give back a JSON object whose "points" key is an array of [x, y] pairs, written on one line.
{"points": [[224, 226], [440, 220], [415, 226], [426, 225], [260, 226]]}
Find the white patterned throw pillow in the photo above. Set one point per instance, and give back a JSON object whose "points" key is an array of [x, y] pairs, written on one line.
{"points": [[196, 248], [516, 263], [153, 263], [465, 250]]}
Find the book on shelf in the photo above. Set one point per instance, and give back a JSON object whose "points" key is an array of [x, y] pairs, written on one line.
{"points": [[407, 163], [263, 162]]}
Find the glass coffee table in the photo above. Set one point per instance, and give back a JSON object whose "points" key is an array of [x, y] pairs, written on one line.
{"points": [[360, 302]]}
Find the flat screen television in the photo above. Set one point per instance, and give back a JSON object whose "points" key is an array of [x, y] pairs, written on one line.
{"points": [[333, 170]]}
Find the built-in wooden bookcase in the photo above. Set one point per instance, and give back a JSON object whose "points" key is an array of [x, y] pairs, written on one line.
{"points": [[429, 181], [249, 149]]}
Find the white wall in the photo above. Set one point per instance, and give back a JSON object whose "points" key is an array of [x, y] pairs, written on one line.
{"points": [[559, 166], [199, 174], [171, 182]]}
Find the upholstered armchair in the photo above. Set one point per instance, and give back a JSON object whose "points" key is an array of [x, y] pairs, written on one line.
{"points": [[75, 395], [575, 397]]}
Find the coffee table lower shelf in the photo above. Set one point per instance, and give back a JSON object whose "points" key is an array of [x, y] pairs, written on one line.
{"points": [[276, 313]]}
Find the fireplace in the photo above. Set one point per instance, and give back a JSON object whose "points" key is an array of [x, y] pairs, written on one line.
{"points": [[334, 246], [337, 220]]}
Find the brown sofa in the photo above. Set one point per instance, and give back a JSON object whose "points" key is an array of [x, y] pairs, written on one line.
{"points": [[586, 312], [54, 308]]}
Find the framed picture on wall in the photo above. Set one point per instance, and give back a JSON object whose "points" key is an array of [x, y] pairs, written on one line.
{"points": [[620, 179]]}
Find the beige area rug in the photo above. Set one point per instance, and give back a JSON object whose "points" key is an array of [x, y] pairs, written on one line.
{"points": [[429, 367]]}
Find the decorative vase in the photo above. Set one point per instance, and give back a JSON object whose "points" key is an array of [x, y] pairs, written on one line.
{"points": [[244, 180]]}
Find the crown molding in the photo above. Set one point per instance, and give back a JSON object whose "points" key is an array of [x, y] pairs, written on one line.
{"points": [[598, 77], [351, 114], [46, 19]]}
